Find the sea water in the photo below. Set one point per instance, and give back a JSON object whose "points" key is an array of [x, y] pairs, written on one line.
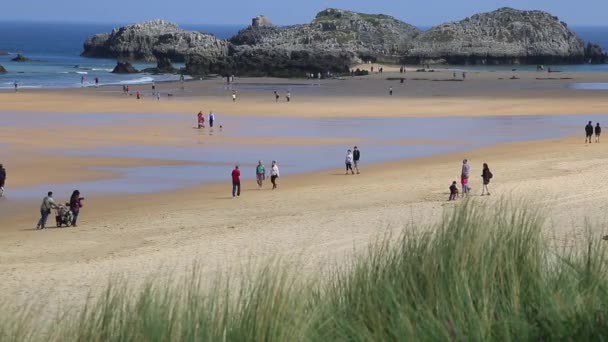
{"points": [[55, 50]]}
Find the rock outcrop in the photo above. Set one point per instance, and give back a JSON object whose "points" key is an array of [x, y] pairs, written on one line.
{"points": [[504, 36], [2, 70], [151, 40], [595, 55], [124, 68], [366, 36], [163, 66], [337, 39], [20, 58]]}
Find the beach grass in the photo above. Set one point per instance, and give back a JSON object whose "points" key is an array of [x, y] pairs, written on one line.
{"points": [[482, 274]]}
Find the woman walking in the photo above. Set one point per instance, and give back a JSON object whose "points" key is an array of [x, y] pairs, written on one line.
{"points": [[486, 175], [274, 174], [349, 162], [75, 205]]}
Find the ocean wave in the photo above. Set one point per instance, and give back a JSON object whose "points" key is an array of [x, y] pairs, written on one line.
{"points": [[82, 72], [140, 80], [102, 69]]}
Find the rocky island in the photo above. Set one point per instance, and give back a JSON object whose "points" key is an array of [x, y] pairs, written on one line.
{"points": [[338, 39]]}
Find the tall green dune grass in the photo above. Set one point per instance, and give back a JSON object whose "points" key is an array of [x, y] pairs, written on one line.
{"points": [[482, 274]]}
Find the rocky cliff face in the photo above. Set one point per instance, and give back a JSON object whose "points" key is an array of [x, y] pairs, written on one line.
{"points": [[505, 36], [152, 40], [365, 35], [337, 39], [2, 70]]}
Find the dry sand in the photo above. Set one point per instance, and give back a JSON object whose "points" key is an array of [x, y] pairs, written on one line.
{"points": [[315, 219]]}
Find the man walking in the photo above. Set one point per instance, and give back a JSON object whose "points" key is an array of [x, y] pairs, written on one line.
{"points": [[356, 158], [48, 203], [260, 174], [588, 132], [598, 132], [236, 182]]}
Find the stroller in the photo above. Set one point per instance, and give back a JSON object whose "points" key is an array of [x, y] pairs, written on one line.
{"points": [[64, 215]]}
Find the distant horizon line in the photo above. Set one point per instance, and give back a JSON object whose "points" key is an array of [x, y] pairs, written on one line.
{"points": [[76, 22]]}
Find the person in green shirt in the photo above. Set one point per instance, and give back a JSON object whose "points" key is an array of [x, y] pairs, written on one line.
{"points": [[260, 174]]}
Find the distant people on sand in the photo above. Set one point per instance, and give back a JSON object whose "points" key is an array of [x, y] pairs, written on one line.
{"points": [[276, 96], [464, 177], [153, 86], [260, 174], [453, 191], [486, 176], [48, 204], [2, 179], [96, 82], [236, 182], [234, 96], [598, 132], [200, 120], [349, 162], [82, 81], [356, 158], [464, 75], [211, 119], [16, 84], [76, 202], [288, 96], [390, 91], [274, 174], [138, 95], [588, 132]]}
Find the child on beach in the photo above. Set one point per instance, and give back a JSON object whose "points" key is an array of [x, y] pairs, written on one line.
{"points": [[453, 191], [234, 96], [349, 162], [200, 120], [211, 119]]}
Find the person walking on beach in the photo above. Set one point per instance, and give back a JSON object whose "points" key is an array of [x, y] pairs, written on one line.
{"points": [[16, 84], [158, 96], [211, 118], [82, 81], [96, 82], [356, 158], [486, 175], [274, 174], [598, 132], [588, 132], [200, 120], [349, 162], [48, 203], [138, 95], [260, 174], [390, 90], [2, 179], [75, 205], [276, 96], [236, 182], [464, 75], [464, 177], [453, 191], [288, 96], [234, 96], [153, 86]]}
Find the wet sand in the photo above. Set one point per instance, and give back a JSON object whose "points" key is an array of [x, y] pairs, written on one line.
{"points": [[315, 219]]}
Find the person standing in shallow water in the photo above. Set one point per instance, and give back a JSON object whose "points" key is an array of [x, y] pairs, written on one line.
{"points": [[236, 182], [598, 132], [274, 174], [486, 176], [588, 132]]}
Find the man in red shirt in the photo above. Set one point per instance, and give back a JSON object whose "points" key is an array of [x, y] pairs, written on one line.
{"points": [[236, 181]]}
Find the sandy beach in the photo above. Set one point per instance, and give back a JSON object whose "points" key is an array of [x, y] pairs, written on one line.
{"points": [[316, 218]]}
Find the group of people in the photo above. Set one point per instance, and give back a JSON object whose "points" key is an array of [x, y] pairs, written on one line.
{"points": [[590, 130], [465, 172], [287, 96], [352, 160], [200, 118], [260, 175], [72, 207]]}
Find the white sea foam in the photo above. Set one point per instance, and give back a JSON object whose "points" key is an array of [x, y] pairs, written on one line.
{"points": [[82, 72], [140, 80], [102, 69]]}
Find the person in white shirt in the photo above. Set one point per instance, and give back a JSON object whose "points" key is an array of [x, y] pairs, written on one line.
{"points": [[349, 162], [274, 174]]}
